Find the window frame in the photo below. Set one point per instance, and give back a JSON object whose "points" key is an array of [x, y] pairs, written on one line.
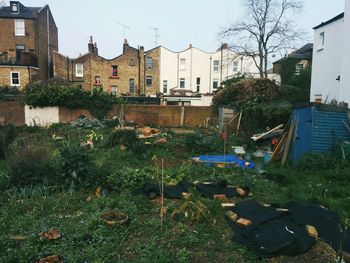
{"points": [[18, 30], [132, 80], [216, 81], [132, 62], [18, 77], [198, 84], [114, 71], [114, 89], [149, 63], [321, 43], [16, 6], [98, 80], [165, 86], [216, 65], [149, 83], [77, 70], [235, 66], [182, 64], [182, 80]]}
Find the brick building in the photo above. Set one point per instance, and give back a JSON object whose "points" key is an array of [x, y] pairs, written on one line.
{"points": [[134, 72], [28, 38]]}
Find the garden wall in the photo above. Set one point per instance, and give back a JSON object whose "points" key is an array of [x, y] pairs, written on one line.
{"points": [[171, 116], [13, 112]]}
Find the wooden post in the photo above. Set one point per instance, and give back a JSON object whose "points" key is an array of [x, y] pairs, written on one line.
{"points": [[182, 116], [289, 140], [239, 122]]}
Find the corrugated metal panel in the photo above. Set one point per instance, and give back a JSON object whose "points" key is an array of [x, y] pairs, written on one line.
{"points": [[327, 129], [301, 142]]}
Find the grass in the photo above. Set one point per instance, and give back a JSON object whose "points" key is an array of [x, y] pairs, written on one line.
{"points": [[28, 210]]}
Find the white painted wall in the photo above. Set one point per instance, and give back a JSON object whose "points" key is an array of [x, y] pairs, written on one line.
{"points": [[200, 64], [344, 93], [41, 116], [326, 65]]}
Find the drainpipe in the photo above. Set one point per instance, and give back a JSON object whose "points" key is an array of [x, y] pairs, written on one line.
{"points": [[48, 43], [210, 73], [68, 69], [177, 71]]}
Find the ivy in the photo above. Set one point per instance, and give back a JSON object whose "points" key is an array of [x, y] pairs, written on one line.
{"points": [[55, 93]]}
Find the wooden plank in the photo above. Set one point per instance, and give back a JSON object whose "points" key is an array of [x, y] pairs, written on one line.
{"points": [[288, 142], [278, 147], [259, 136]]}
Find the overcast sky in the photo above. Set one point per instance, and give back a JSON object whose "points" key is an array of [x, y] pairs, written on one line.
{"points": [[180, 22]]}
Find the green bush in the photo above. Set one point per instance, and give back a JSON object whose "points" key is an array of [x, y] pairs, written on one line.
{"points": [[32, 164], [201, 144], [56, 93], [7, 134], [129, 178], [127, 138]]}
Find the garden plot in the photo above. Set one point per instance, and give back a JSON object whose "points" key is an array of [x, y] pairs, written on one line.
{"points": [[76, 190]]}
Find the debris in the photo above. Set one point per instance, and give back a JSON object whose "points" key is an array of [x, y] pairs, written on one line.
{"points": [[18, 237], [52, 234], [147, 132], [122, 147], [160, 141], [312, 231], [219, 196], [273, 132], [98, 191], [87, 145], [288, 142], [238, 149], [244, 222], [50, 259], [112, 218], [228, 205], [231, 215]]}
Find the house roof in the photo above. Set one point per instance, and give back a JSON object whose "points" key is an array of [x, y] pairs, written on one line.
{"points": [[330, 21], [24, 12], [305, 52]]}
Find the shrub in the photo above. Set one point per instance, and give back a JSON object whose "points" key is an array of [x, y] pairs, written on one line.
{"points": [[56, 93], [85, 123], [129, 178], [76, 165], [7, 134], [32, 164], [127, 138]]}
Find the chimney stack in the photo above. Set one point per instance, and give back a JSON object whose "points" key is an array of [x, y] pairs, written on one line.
{"points": [[190, 46], [92, 47], [224, 46], [125, 45]]}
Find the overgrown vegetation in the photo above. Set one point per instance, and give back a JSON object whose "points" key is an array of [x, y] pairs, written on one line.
{"points": [[68, 187], [258, 99], [58, 93]]}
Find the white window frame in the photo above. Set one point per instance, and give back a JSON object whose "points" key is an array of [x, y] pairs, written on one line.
{"points": [[114, 89], [216, 65], [182, 80], [20, 27], [235, 66], [182, 64], [322, 40], [19, 78], [77, 70], [14, 8]]}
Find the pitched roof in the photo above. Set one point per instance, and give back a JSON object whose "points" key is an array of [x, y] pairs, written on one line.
{"points": [[330, 21], [24, 12], [305, 52]]}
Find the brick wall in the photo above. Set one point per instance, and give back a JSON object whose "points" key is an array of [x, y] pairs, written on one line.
{"points": [[26, 74], [167, 116], [13, 112], [68, 115]]}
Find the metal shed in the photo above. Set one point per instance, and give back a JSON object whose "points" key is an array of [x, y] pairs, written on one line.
{"points": [[318, 129]]}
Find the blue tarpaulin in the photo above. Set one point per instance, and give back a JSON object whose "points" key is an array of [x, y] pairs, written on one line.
{"points": [[212, 159]]}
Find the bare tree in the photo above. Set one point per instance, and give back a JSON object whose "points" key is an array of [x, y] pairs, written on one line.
{"points": [[264, 30]]}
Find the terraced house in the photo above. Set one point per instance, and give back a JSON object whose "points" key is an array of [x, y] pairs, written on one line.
{"points": [[28, 38], [134, 72]]}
